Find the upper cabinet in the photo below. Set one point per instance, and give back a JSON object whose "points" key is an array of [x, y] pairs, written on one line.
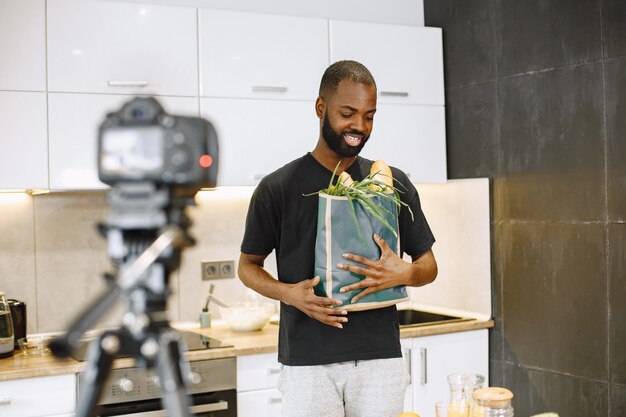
{"points": [[65, 63], [412, 138], [23, 45], [256, 137], [248, 55], [23, 144], [406, 61], [74, 121], [121, 48]]}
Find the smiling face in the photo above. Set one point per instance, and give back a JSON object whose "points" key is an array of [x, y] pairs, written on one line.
{"points": [[347, 117]]}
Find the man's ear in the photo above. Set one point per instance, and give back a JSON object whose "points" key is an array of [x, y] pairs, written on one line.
{"points": [[320, 107]]}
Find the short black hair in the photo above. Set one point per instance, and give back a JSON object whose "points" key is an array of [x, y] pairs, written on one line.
{"points": [[342, 70]]}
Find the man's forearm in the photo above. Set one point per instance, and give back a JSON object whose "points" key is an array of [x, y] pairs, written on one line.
{"points": [[255, 277], [423, 270]]}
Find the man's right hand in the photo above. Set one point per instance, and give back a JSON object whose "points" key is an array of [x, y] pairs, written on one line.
{"points": [[302, 297]]}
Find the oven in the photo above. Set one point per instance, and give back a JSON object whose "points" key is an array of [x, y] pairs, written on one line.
{"points": [[135, 392]]}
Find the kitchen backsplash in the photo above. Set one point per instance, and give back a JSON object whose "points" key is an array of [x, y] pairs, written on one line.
{"points": [[52, 257]]}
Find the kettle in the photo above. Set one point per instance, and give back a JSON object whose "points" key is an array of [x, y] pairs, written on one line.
{"points": [[7, 339]]}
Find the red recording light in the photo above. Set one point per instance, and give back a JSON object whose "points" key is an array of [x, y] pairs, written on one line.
{"points": [[205, 161]]}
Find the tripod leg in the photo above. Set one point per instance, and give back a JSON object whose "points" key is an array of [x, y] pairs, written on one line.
{"points": [[173, 385], [98, 368]]}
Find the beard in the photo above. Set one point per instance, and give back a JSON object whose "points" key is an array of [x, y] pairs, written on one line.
{"points": [[336, 142]]}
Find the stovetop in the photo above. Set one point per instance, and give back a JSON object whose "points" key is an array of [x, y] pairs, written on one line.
{"points": [[193, 341]]}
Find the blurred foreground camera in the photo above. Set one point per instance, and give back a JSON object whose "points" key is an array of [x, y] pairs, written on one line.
{"points": [[142, 143]]}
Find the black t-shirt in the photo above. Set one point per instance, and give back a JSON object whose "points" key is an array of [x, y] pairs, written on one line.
{"points": [[281, 218]]}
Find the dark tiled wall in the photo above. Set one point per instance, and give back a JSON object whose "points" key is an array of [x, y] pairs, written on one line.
{"points": [[536, 100]]}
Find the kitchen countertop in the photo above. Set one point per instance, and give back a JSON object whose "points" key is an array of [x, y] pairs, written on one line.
{"points": [[245, 343]]}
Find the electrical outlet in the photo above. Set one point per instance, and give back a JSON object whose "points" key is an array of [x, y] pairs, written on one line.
{"points": [[218, 269]]}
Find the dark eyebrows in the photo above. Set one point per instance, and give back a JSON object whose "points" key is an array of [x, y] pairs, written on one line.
{"points": [[355, 110]]}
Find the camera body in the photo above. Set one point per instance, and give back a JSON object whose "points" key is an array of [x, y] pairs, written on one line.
{"points": [[141, 143]]}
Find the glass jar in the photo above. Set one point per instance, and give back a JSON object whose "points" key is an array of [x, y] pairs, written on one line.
{"points": [[6, 328], [492, 402], [463, 385]]}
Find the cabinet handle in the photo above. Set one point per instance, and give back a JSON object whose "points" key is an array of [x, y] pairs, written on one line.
{"points": [[394, 93], [274, 400], [268, 89], [258, 177], [127, 83], [424, 363], [273, 371], [5, 401], [407, 360]]}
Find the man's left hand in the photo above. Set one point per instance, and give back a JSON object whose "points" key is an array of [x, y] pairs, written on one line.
{"points": [[387, 272]]}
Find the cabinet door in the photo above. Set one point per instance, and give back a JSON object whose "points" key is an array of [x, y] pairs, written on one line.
{"points": [[261, 403], [23, 144], [38, 396], [411, 138], [436, 357], [74, 120], [256, 372], [23, 45], [115, 47], [406, 61], [261, 56], [257, 137], [407, 350]]}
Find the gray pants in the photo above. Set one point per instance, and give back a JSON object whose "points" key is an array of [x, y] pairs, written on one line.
{"points": [[372, 388]]}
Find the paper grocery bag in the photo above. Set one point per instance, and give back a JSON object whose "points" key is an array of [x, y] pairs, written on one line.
{"points": [[338, 233]]}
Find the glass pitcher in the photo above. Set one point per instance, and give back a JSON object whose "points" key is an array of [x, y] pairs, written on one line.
{"points": [[492, 402], [6, 328]]}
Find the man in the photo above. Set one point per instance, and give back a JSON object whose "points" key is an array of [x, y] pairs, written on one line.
{"points": [[334, 364]]}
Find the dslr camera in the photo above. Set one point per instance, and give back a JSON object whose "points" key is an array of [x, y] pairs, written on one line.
{"points": [[141, 143]]}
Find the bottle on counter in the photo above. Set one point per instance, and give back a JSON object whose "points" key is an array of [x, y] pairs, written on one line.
{"points": [[492, 402]]}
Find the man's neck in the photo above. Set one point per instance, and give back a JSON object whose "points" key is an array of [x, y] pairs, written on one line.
{"points": [[329, 159]]}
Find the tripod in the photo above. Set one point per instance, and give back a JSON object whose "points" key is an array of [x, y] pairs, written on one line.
{"points": [[145, 235]]}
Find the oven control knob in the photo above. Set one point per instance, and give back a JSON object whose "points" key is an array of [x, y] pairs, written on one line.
{"points": [[125, 384], [156, 381], [194, 378]]}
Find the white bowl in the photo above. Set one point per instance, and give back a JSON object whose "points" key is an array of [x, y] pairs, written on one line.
{"points": [[247, 316]]}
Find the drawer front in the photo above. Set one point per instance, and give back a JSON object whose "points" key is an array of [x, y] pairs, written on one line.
{"points": [[38, 396], [256, 372], [262, 403]]}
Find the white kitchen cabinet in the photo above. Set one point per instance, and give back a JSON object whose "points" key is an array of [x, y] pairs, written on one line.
{"points": [[23, 141], [257, 137], [23, 45], [122, 48], [74, 120], [433, 358], [257, 379], [38, 397], [412, 138], [407, 350], [253, 55], [406, 61]]}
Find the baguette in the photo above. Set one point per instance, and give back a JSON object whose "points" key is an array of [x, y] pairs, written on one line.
{"points": [[380, 171]]}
